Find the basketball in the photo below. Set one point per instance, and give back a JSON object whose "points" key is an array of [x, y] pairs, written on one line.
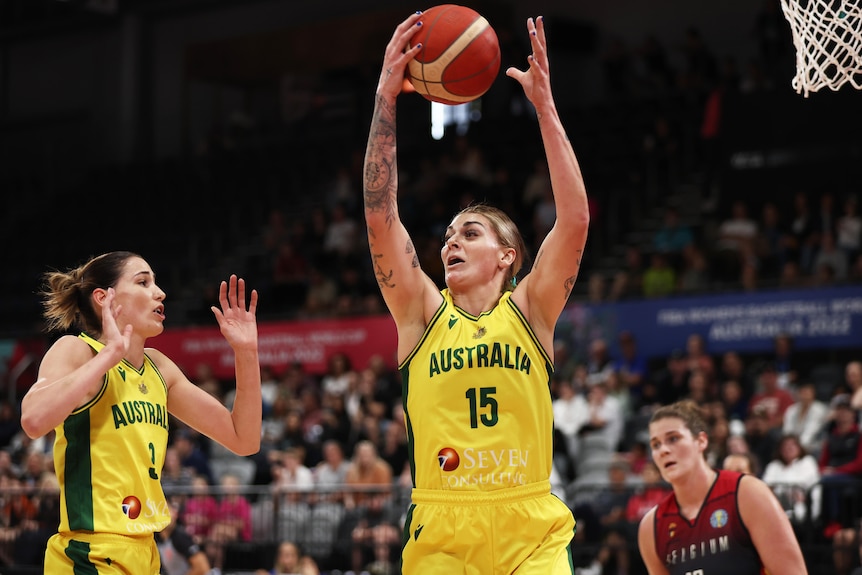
{"points": [[459, 58]]}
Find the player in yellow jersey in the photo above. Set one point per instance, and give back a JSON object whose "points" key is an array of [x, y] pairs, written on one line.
{"points": [[475, 358], [108, 398]]}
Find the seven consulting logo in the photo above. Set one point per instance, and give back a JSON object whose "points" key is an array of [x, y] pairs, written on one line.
{"points": [[132, 507], [448, 459]]}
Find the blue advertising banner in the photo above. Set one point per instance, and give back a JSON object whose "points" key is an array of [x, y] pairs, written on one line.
{"points": [[745, 322]]}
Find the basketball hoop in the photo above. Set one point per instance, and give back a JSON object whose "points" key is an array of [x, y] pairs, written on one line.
{"points": [[827, 35]]}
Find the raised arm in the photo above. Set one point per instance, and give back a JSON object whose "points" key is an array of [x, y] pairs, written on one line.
{"points": [[70, 374], [403, 284], [238, 429], [544, 291]]}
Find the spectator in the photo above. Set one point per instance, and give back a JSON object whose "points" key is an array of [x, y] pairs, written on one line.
{"points": [[847, 551], [732, 398], [567, 405], [609, 508], [328, 510], [33, 532], [180, 554], [631, 367], [771, 242], [367, 503], [232, 519], [648, 494], [628, 280], [321, 294], [853, 378], [733, 367], [292, 485], [831, 256], [840, 465], [785, 362], [741, 463], [771, 401], [806, 418], [848, 229], [200, 510], [695, 274], [672, 238], [793, 474], [176, 479], [191, 454], [736, 235], [672, 380], [338, 376], [289, 275], [761, 435], [659, 279], [697, 357], [342, 234], [803, 241], [599, 362], [290, 561], [600, 416], [699, 390]]}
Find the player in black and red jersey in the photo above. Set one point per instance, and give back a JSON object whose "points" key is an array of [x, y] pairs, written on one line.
{"points": [[714, 522]]}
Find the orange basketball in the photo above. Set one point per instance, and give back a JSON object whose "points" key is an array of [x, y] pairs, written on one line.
{"points": [[459, 58]]}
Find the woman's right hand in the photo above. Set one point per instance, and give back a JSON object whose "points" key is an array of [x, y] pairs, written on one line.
{"points": [[397, 56], [115, 341]]}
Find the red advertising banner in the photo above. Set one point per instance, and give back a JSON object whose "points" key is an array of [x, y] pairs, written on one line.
{"points": [[283, 343]]}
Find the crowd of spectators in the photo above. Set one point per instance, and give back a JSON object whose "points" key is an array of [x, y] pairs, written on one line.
{"points": [[332, 477]]}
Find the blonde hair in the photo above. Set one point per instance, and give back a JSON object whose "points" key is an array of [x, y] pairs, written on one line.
{"points": [[507, 234], [66, 296]]}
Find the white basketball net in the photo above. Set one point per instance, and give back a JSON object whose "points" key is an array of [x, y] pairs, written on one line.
{"points": [[827, 35]]}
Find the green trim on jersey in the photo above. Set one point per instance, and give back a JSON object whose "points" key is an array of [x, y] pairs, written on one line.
{"points": [[79, 472]]}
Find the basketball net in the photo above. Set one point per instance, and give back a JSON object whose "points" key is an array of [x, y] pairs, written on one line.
{"points": [[827, 35]]}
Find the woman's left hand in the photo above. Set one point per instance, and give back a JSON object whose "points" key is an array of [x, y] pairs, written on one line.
{"points": [[238, 325]]}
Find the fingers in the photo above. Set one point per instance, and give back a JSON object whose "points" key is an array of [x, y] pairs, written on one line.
{"points": [[404, 32], [232, 294], [515, 73], [537, 38]]}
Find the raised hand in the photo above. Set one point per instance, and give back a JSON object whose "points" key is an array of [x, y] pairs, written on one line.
{"points": [[238, 325], [536, 80], [115, 341], [397, 56]]}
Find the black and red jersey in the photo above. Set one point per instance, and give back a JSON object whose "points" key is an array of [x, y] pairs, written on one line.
{"points": [[715, 542]]}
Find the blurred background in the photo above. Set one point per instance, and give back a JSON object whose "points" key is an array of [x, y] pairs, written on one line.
{"points": [[225, 136]]}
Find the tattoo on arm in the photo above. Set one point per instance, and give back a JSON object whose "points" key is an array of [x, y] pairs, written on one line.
{"points": [[381, 171], [410, 249], [383, 279], [568, 285]]}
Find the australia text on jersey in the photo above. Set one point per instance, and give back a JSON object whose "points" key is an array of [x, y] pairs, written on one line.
{"points": [[479, 356], [130, 412]]}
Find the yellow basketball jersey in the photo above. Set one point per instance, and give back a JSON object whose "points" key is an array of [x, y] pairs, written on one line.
{"points": [[108, 454], [477, 401]]}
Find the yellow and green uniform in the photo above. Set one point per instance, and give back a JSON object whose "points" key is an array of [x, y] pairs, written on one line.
{"points": [[108, 456], [479, 416]]}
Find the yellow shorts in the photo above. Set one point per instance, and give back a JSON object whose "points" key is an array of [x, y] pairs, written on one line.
{"points": [[101, 554], [524, 531]]}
